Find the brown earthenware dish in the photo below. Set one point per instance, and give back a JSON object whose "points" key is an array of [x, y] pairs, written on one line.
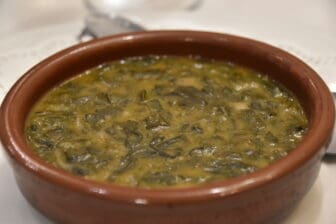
{"points": [[264, 196]]}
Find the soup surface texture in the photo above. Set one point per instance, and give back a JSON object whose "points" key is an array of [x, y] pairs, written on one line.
{"points": [[161, 121]]}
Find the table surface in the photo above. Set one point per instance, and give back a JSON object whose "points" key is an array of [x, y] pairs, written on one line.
{"points": [[32, 30]]}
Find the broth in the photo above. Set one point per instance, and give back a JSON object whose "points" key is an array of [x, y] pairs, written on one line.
{"points": [[165, 121]]}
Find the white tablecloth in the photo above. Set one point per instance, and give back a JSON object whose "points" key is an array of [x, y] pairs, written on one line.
{"points": [[32, 30]]}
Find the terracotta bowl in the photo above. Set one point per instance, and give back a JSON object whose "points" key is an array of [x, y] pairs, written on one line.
{"points": [[265, 196]]}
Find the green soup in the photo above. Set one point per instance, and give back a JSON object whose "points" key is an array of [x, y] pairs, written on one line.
{"points": [[165, 121]]}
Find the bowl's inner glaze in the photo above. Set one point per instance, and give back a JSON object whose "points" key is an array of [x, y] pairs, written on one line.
{"points": [[278, 67]]}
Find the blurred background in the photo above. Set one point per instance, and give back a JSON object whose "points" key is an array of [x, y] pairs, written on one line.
{"points": [[305, 28], [266, 15]]}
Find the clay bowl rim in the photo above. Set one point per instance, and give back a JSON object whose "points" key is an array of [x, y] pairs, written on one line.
{"points": [[321, 124]]}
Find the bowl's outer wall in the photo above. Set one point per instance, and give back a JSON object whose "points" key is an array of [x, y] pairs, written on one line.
{"points": [[267, 204], [262, 197]]}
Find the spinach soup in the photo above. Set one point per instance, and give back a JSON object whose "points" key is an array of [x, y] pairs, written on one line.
{"points": [[165, 121]]}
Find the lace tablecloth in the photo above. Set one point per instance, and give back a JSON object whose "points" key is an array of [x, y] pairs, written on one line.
{"points": [[304, 28]]}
